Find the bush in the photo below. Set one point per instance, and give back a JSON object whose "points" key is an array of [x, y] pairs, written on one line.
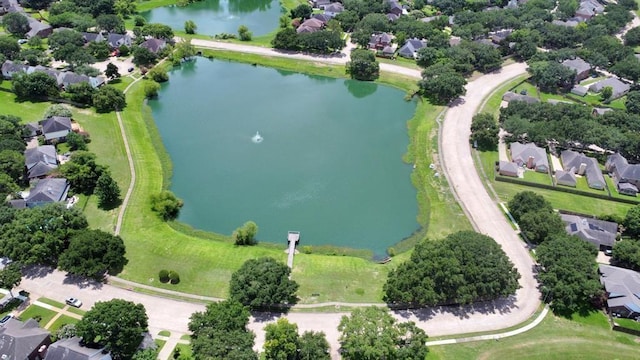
{"points": [[158, 74], [166, 205], [163, 276], [151, 89], [174, 277]]}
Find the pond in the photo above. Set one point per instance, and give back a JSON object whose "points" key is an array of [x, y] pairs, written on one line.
{"points": [[220, 16], [288, 151]]}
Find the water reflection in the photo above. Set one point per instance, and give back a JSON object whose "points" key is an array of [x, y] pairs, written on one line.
{"points": [[246, 6], [360, 89]]}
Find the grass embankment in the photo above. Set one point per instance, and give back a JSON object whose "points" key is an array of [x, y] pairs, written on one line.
{"points": [[587, 337]]}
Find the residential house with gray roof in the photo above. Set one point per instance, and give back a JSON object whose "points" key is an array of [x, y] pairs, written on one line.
{"points": [[566, 178], [510, 96], [117, 40], [583, 165], [73, 349], [581, 67], [588, 9], [23, 340], [626, 176], [380, 41], [55, 127], [410, 48], [602, 234], [619, 88], [48, 191], [70, 78], [531, 156], [40, 161], [508, 168], [154, 45], [92, 37], [622, 288], [333, 9], [38, 28], [310, 25], [10, 68]]}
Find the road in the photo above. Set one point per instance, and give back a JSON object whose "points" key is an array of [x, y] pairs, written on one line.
{"points": [[173, 315]]}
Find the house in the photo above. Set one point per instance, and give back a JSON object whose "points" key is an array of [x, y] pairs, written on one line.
{"points": [[487, 42], [600, 233], [379, 41], [566, 178], [70, 78], [600, 111], [154, 45], [320, 4], [117, 40], [619, 88], [507, 168], [388, 51], [510, 96], [626, 176], [410, 48], [38, 29], [33, 128], [9, 68], [40, 161], [72, 349], [581, 67], [500, 36], [622, 287], [23, 340], [573, 22], [310, 25], [55, 127], [55, 74], [589, 9], [392, 17], [48, 191], [581, 164], [530, 155], [394, 7], [92, 37], [333, 9], [322, 17], [579, 90]]}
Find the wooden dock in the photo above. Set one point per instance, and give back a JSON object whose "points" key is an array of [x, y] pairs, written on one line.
{"points": [[292, 237]]}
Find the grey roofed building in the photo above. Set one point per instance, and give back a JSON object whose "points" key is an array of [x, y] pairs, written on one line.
{"points": [[530, 155], [333, 9], [22, 340], [622, 288], [600, 233], [566, 178], [9, 68], [40, 160], [379, 41], [48, 191], [92, 37], [154, 45], [589, 9], [394, 7], [117, 40], [619, 88], [320, 4], [38, 28], [581, 164], [510, 96], [322, 17], [392, 17], [581, 67], [72, 349], [579, 90], [310, 25], [56, 74], [411, 47], [573, 22], [33, 128], [55, 127], [508, 168], [623, 173], [600, 111]]}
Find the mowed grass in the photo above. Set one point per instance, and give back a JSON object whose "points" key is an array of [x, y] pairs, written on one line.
{"points": [[53, 303], [555, 338], [35, 311], [62, 321]]}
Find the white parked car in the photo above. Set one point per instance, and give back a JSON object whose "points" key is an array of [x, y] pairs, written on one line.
{"points": [[73, 302]]}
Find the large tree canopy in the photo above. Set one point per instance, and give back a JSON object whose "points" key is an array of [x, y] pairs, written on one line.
{"points": [[93, 253], [441, 83], [363, 65], [117, 324], [372, 333], [527, 201], [626, 253], [263, 283], [462, 268]]}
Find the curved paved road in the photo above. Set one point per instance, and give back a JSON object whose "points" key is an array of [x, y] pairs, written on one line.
{"points": [[173, 315]]}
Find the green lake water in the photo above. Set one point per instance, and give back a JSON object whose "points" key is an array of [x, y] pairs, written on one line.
{"points": [[329, 164], [218, 16]]}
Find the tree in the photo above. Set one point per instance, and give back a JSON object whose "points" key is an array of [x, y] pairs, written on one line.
{"points": [[526, 201], [99, 50], [116, 324], [81, 93], [108, 98], [551, 75], [64, 42], [281, 340], [484, 131], [190, 27], [16, 23], [11, 276], [462, 268], [286, 39], [36, 85], [82, 171], [12, 164], [107, 191], [158, 31], [626, 253], [143, 56], [112, 71], [125, 8], [632, 104], [313, 346], [428, 56], [363, 65], [93, 253], [538, 225], [38, 4], [302, 11], [441, 83], [221, 332], [151, 89], [632, 37], [7, 186], [244, 34], [111, 23], [263, 283], [245, 235], [371, 333], [631, 222], [184, 50], [569, 277], [9, 47], [158, 74], [76, 141], [166, 205], [58, 110], [606, 93]]}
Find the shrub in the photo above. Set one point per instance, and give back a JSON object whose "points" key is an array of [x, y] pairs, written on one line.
{"points": [[166, 205], [151, 89], [174, 277], [158, 74], [163, 276]]}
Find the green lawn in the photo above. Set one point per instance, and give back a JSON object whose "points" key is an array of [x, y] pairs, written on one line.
{"points": [[165, 333], [628, 323], [185, 351], [53, 303], [62, 321], [492, 103], [34, 311], [536, 177], [555, 338]]}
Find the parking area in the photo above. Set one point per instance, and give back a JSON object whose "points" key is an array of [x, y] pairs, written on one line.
{"points": [[123, 64]]}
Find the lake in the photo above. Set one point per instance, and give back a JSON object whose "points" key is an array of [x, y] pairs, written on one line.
{"points": [[327, 160]]}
